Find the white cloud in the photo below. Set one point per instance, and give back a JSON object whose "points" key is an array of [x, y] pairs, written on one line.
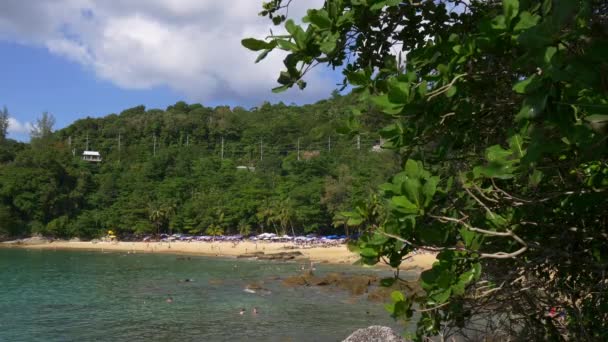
{"points": [[191, 46], [18, 128]]}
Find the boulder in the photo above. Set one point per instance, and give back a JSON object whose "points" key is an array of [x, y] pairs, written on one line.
{"points": [[374, 333], [295, 281]]}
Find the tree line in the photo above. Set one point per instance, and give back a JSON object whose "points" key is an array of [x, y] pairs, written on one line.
{"points": [[184, 183]]}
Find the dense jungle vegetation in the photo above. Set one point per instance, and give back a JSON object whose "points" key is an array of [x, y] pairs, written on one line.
{"points": [[164, 171], [499, 110]]}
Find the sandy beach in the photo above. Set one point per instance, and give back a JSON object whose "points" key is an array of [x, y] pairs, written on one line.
{"points": [[334, 254]]}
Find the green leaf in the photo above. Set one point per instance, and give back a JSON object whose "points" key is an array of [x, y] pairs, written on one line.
{"points": [[280, 89], [532, 106], [510, 9], [262, 55], [549, 53], [328, 46], [397, 296], [386, 105], [429, 189], [441, 296], [528, 85], [535, 178], [369, 253], [404, 205], [387, 282], [381, 4], [516, 146], [412, 168], [497, 153], [452, 91], [597, 118], [285, 78], [291, 27], [256, 44], [358, 78], [319, 18], [286, 45], [526, 21], [411, 188], [398, 92]]}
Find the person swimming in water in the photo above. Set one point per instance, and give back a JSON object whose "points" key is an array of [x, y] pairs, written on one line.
{"points": [[255, 310], [242, 312], [169, 299]]}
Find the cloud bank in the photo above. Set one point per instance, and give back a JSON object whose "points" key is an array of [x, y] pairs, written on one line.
{"points": [[18, 128], [191, 46]]}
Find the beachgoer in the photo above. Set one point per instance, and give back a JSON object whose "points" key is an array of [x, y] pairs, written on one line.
{"points": [[242, 312], [255, 310], [169, 300]]}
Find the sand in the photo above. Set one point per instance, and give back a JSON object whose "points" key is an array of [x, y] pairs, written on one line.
{"points": [[334, 254]]}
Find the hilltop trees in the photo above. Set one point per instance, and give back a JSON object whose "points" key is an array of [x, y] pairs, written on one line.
{"points": [[43, 127], [499, 110], [175, 170], [3, 123]]}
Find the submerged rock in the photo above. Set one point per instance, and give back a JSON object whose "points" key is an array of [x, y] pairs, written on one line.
{"points": [[374, 333], [280, 256], [249, 255]]}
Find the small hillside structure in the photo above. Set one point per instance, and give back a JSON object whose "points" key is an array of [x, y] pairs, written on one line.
{"points": [[91, 156], [243, 167]]}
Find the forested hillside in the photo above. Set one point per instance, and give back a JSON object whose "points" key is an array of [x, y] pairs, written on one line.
{"points": [[192, 169]]}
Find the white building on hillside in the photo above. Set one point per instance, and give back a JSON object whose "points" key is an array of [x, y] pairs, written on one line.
{"points": [[91, 156]]}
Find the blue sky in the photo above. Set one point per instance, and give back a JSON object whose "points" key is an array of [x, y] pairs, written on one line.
{"points": [[78, 58], [35, 81]]}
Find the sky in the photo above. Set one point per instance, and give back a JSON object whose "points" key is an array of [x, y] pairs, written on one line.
{"points": [[79, 58]]}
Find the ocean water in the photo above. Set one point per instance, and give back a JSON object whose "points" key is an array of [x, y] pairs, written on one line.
{"points": [[92, 296]]}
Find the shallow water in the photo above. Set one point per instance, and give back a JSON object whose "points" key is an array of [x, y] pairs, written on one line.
{"points": [[92, 296]]}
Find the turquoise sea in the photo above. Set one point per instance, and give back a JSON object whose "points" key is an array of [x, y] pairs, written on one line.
{"points": [[92, 296]]}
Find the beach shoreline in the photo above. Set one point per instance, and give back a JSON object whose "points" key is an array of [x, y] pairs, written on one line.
{"points": [[319, 254]]}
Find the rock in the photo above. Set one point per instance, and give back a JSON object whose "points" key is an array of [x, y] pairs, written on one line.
{"points": [[35, 240], [254, 286], [280, 256], [357, 285], [250, 255], [374, 333], [216, 282], [295, 281], [75, 239]]}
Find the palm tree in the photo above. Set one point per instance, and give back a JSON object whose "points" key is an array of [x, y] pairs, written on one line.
{"points": [[159, 215], [285, 213], [340, 220], [266, 214]]}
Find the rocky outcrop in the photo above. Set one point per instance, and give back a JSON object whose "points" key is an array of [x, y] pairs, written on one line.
{"points": [[253, 255], [34, 240], [281, 256], [374, 333], [355, 285]]}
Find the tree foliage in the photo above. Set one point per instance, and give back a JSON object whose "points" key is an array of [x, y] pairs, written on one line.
{"points": [[4, 115], [163, 171], [499, 109]]}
